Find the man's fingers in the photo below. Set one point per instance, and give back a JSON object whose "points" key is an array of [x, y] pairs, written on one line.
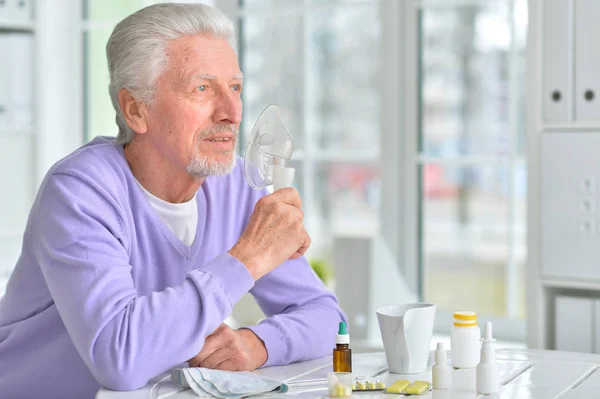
{"points": [[289, 195], [212, 343], [228, 365], [215, 358], [303, 248]]}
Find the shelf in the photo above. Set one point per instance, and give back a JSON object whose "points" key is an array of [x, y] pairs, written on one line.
{"points": [[571, 284], [8, 132], [571, 128], [20, 26]]}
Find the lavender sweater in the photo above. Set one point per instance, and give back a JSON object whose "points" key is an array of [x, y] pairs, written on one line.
{"points": [[104, 294]]}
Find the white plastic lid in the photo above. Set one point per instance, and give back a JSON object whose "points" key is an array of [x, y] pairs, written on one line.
{"points": [[440, 353], [342, 339], [487, 332]]}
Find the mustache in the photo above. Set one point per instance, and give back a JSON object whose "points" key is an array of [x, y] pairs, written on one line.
{"points": [[221, 128]]}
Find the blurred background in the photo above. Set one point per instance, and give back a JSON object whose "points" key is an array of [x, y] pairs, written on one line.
{"points": [[409, 129]]}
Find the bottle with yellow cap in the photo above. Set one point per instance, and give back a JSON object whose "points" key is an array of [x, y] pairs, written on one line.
{"points": [[465, 340]]}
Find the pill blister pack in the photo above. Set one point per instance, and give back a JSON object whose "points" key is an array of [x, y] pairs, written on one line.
{"points": [[343, 385], [399, 387], [406, 387], [363, 384]]}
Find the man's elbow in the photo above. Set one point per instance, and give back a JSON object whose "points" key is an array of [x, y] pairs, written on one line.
{"points": [[119, 380], [119, 373]]}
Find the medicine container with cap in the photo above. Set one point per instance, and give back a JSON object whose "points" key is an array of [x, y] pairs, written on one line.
{"points": [[488, 379], [441, 371], [342, 354], [465, 340]]}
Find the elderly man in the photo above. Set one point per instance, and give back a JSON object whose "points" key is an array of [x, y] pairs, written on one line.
{"points": [[137, 248]]}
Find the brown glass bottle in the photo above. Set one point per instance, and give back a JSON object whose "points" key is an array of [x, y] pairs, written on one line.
{"points": [[342, 358]]}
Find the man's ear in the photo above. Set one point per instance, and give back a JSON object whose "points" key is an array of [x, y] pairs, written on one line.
{"points": [[134, 112]]}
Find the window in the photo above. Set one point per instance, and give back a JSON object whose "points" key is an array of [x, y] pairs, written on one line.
{"points": [[308, 57], [470, 157]]}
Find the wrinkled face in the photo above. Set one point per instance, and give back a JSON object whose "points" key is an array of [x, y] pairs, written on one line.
{"points": [[197, 109]]}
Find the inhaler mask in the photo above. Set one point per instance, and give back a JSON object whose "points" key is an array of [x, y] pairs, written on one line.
{"points": [[269, 148]]}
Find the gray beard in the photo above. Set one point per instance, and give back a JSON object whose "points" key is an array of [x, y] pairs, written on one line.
{"points": [[201, 168]]}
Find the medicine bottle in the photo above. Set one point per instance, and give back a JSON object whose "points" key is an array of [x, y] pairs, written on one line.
{"points": [[342, 354], [441, 372], [465, 340]]}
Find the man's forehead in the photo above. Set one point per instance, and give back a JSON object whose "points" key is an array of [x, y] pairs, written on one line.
{"points": [[203, 58], [209, 76], [201, 48]]}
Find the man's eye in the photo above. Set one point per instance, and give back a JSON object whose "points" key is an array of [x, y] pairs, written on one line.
{"points": [[237, 87], [202, 88]]}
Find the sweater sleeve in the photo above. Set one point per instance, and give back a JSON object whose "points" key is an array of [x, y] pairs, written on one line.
{"points": [[124, 338], [302, 315]]}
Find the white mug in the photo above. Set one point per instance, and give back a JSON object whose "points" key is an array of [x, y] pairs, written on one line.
{"points": [[406, 331]]}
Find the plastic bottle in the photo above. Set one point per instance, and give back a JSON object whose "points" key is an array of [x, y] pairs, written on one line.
{"points": [[465, 340], [441, 371], [488, 379], [342, 354]]}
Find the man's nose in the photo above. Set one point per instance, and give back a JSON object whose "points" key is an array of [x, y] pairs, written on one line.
{"points": [[228, 108]]}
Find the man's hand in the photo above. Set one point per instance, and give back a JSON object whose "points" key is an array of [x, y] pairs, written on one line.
{"points": [[233, 350], [274, 233]]}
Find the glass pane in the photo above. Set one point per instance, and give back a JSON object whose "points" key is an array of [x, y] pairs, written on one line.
{"points": [[344, 66], [115, 10], [299, 177], [345, 202], [99, 112], [520, 16], [287, 4], [465, 71], [467, 235], [272, 62], [254, 4], [111, 10]]}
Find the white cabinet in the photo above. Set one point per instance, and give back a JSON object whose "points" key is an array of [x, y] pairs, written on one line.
{"points": [[563, 151], [577, 324], [20, 10], [555, 59], [587, 61], [574, 324], [570, 61], [570, 205]]}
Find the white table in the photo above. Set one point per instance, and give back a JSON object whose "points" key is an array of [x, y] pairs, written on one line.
{"points": [[523, 374]]}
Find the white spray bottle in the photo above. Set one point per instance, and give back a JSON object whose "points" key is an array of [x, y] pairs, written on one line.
{"points": [[488, 379]]}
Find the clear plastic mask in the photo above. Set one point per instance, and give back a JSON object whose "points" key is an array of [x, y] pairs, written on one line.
{"points": [[269, 148]]}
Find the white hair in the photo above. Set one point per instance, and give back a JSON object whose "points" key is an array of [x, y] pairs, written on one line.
{"points": [[136, 49]]}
